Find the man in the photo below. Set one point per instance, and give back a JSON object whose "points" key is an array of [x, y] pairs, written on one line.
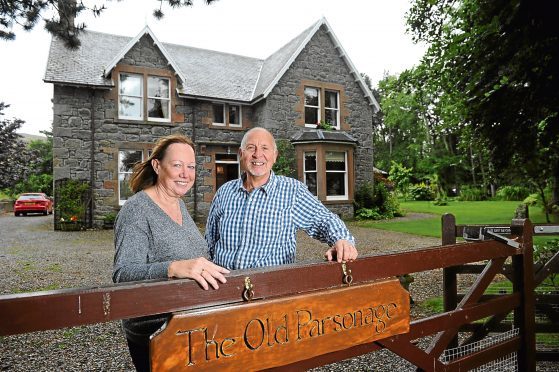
{"points": [[253, 220]]}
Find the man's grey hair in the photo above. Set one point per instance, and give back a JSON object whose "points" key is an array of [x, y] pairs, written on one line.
{"points": [[245, 137]]}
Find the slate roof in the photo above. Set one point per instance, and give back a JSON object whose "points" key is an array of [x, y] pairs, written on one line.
{"points": [[206, 73]]}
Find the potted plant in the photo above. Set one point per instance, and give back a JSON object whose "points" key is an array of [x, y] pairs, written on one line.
{"points": [[70, 205], [109, 220]]}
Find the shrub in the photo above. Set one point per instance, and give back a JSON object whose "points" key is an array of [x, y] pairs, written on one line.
{"points": [[421, 191], [531, 199], [70, 202], [468, 193], [513, 193], [375, 202]]}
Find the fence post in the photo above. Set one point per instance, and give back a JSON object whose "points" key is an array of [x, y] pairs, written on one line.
{"points": [[523, 274], [450, 286]]}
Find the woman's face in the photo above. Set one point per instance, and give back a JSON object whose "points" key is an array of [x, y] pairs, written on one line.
{"points": [[177, 170]]}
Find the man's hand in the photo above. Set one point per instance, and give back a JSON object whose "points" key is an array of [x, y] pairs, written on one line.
{"points": [[342, 250]]}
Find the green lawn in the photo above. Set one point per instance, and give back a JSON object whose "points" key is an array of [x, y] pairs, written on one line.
{"points": [[481, 212]]}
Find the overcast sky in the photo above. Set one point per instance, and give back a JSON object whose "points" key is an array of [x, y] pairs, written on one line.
{"points": [[372, 32]]}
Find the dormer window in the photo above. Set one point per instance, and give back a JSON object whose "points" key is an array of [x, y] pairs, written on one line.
{"points": [[132, 98]]}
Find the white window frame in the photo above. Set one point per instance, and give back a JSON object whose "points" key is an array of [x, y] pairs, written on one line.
{"points": [[167, 120], [345, 172], [223, 113], [240, 113], [319, 116], [121, 201], [337, 109], [315, 171], [141, 96]]}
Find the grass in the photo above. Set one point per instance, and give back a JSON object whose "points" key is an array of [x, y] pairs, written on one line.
{"points": [[477, 212]]}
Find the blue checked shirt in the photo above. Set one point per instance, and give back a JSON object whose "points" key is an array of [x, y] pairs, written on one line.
{"points": [[246, 230]]}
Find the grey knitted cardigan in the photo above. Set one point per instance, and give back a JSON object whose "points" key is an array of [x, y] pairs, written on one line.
{"points": [[147, 240]]}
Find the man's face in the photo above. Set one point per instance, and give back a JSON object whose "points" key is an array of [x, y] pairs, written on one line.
{"points": [[259, 155]]}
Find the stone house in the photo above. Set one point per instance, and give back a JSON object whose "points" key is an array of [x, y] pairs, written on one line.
{"points": [[115, 96]]}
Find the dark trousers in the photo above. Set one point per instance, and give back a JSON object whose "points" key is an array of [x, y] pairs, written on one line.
{"points": [[140, 355]]}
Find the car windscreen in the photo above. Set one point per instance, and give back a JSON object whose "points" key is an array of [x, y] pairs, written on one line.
{"points": [[30, 196]]}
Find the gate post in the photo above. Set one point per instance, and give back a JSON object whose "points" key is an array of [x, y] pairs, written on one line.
{"points": [[450, 286], [523, 274]]}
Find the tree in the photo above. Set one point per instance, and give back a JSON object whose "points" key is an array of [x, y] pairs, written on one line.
{"points": [[497, 63], [16, 161], [27, 13]]}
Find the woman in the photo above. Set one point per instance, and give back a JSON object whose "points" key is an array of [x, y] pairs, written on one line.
{"points": [[155, 237]]}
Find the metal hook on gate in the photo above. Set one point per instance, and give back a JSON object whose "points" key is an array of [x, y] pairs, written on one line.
{"points": [[348, 278], [248, 292]]}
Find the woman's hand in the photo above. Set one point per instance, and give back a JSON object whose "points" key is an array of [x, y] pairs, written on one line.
{"points": [[205, 272]]}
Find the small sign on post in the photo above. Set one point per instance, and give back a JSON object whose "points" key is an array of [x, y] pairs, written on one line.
{"points": [[270, 333]]}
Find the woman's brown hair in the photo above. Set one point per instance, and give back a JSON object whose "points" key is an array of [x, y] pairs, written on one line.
{"points": [[144, 175]]}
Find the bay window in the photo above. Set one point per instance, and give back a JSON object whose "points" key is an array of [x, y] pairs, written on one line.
{"points": [[336, 175], [309, 171]]}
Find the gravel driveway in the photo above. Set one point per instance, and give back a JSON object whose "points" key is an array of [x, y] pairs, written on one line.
{"points": [[33, 257]]}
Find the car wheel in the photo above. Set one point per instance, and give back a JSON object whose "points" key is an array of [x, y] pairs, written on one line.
{"points": [[45, 213], [25, 213], [16, 214]]}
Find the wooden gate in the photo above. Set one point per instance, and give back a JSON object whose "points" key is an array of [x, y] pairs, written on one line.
{"points": [[545, 306], [27, 312]]}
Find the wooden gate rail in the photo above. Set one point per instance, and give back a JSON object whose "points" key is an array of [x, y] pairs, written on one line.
{"points": [[28, 312], [540, 302]]}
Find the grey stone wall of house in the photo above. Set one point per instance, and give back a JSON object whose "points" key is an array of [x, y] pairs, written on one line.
{"points": [[320, 61], [199, 112], [72, 128]]}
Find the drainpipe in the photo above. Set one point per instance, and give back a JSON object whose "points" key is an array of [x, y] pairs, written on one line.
{"points": [[92, 165], [195, 186]]}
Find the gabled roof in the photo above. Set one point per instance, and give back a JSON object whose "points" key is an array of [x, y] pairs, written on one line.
{"points": [[278, 63], [130, 45], [204, 73]]}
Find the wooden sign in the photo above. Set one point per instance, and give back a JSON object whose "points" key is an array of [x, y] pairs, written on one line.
{"points": [[270, 333]]}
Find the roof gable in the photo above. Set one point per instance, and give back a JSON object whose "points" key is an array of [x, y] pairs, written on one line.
{"points": [[117, 57], [277, 64]]}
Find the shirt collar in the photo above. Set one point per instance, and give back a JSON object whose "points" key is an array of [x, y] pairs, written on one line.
{"points": [[267, 187]]}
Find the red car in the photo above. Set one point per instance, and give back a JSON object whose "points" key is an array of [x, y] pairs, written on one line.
{"points": [[36, 202]]}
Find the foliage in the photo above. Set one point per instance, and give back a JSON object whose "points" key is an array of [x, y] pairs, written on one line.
{"points": [[285, 162], [492, 70], [35, 183], [400, 175], [70, 202], [109, 218], [42, 149], [468, 193], [421, 191], [513, 193], [531, 199], [16, 161], [324, 125], [28, 12], [543, 253], [375, 202]]}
